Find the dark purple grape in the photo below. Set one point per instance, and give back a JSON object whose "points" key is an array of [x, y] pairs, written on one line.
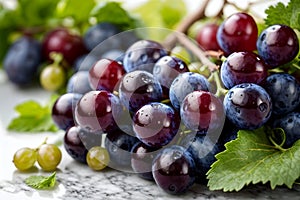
{"points": [[290, 123], [203, 112], [98, 33], [139, 88], [248, 106], [156, 124], [119, 145], [97, 110], [79, 83], [106, 74], [174, 170], [277, 45], [141, 160], [243, 67], [237, 33], [166, 69], [207, 37], [73, 144], [142, 55], [229, 132], [284, 91], [184, 84], [90, 138], [62, 110], [22, 60], [203, 152]]}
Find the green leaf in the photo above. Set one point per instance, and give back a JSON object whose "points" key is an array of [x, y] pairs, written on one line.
{"points": [[41, 182], [251, 158], [281, 14], [33, 118], [114, 13], [163, 14]]}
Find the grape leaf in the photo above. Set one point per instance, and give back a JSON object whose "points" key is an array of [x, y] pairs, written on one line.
{"points": [[104, 12], [32, 118], [41, 182], [251, 158], [281, 14]]}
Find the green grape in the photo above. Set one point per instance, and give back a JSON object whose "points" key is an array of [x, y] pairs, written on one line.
{"points": [[24, 158], [49, 157], [97, 158], [53, 77], [181, 53]]}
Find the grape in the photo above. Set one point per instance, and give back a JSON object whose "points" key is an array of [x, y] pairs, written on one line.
{"points": [[25, 158], [248, 106], [22, 60], [141, 160], [156, 124], [79, 83], [181, 53], [139, 88], [174, 170], [73, 144], [62, 110], [284, 91], [290, 123], [53, 77], [90, 138], [105, 75], [237, 33], [184, 84], [166, 69], [85, 62], [97, 158], [203, 112], [203, 151], [229, 132], [63, 41], [243, 67], [97, 110], [207, 37], [277, 45], [142, 55], [98, 33], [119, 145], [49, 157]]}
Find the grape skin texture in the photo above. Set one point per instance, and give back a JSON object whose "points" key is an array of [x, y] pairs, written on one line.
{"points": [[97, 110], [139, 88], [284, 90], [49, 157], [73, 144], [207, 37], [174, 170], [184, 84], [156, 124], [248, 106], [277, 45], [243, 67], [97, 158], [291, 125], [142, 55], [237, 33], [22, 60], [62, 110], [24, 158]]}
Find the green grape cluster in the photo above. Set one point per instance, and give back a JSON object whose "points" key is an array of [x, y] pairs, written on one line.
{"points": [[48, 157]]}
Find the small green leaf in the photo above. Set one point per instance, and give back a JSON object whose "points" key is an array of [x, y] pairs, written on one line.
{"points": [[251, 158], [41, 182], [33, 117], [104, 12], [281, 14]]}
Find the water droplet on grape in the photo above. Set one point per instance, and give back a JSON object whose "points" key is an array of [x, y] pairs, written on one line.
{"points": [[263, 107]]}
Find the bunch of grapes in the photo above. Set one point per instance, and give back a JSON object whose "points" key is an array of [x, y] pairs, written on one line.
{"points": [[135, 106]]}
